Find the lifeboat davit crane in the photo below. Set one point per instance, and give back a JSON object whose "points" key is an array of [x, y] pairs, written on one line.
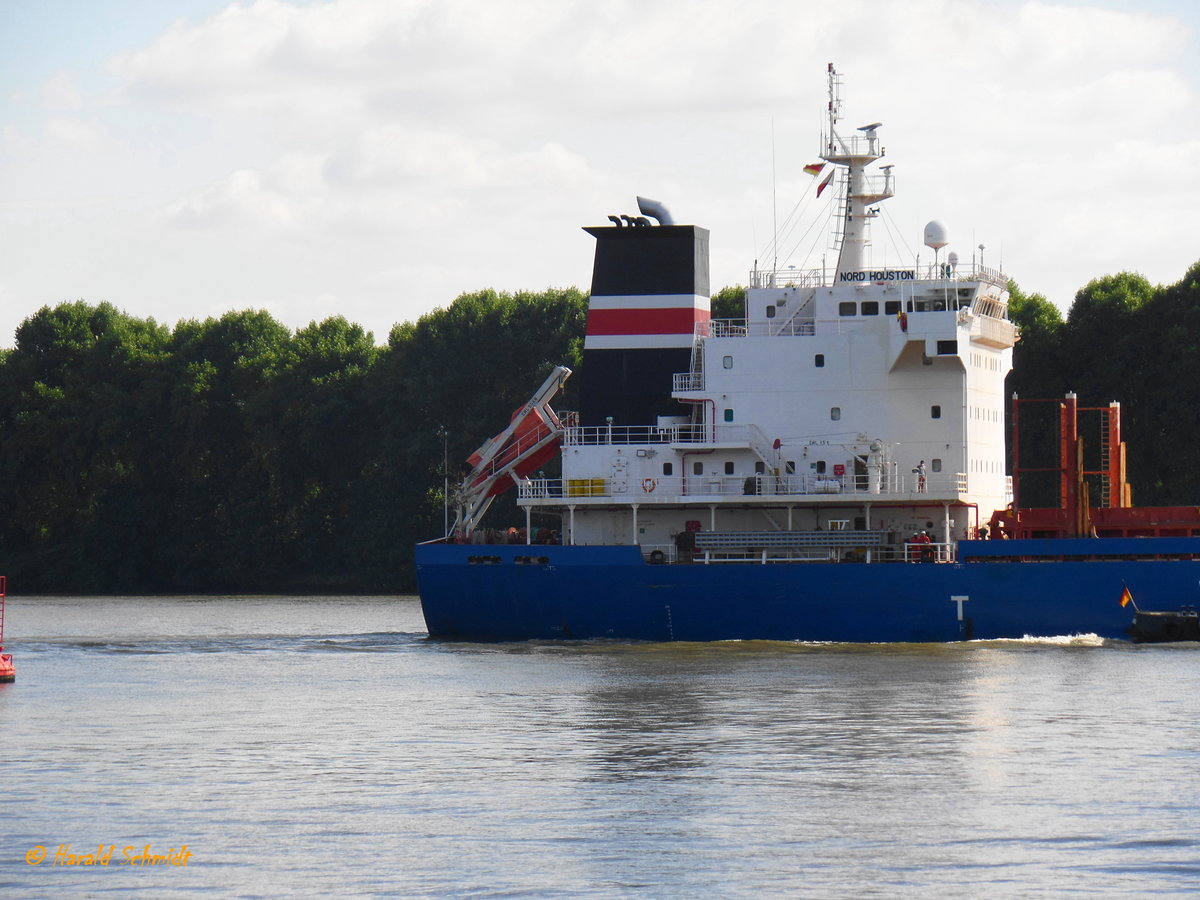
{"points": [[531, 439]]}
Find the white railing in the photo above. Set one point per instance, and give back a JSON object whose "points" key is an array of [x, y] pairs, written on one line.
{"points": [[801, 278], [671, 488], [910, 553], [603, 435], [687, 381], [791, 277], [736, 328]]}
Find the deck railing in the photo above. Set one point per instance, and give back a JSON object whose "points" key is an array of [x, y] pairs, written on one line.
{"points": [[671, 488], [802, 278]]}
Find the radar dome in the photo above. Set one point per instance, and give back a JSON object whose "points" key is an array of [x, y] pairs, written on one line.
{"points": [[935, 235]]}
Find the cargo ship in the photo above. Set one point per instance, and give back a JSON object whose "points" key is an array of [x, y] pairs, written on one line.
{"points": [[830, 465]]}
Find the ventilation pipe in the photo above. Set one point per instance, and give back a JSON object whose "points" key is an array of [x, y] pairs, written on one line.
{"points": [[655, 210]]}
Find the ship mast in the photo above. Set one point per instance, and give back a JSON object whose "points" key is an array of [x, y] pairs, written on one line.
{"points": [[854, 154]]}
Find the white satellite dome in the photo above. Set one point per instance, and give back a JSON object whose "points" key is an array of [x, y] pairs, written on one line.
{"points": [[935, 235]]}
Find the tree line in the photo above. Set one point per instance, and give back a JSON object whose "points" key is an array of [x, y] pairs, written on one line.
{"points": [[1128, 340], [233, 454]]}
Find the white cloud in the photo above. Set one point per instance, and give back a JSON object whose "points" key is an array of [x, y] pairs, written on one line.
{"points": [[74, 133], [60, 93], [391, 154]]}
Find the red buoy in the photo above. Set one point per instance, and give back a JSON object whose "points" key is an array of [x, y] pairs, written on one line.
{"points": [[8, 671]]}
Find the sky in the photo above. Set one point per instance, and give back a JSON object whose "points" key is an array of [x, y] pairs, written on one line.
{"points": [[376, 158]]}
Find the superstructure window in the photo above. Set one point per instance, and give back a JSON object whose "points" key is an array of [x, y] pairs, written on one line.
{"points": [[847, 308], [819, 360], [870, 308], [935, 465], [820, 467], [935, 412], [668, 468], [729, 415], [835, 413], [891, 307], [760, 467], [771, 311], [697, 468], [728, 467], [947, 348], [727, 362]]}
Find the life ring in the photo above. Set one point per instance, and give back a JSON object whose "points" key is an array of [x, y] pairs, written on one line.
{"points": [[648, 485], [657, 557]]}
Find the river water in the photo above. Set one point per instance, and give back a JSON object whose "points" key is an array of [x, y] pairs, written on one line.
{"points": [[306, 747]]}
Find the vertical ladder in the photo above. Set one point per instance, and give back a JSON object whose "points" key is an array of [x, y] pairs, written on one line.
{"points": [[1106, 485]]}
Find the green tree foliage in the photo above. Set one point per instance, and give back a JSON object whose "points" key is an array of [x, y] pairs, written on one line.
{"points": [[1127, 340], [1036, 364], [1037, 373], [729, 303], [1153, 379], [231, 454]]}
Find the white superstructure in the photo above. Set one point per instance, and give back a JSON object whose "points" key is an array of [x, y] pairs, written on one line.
{"points": [[865, 399]]}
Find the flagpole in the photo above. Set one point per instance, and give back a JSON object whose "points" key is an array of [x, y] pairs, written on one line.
{"points": [[1128, 593]]}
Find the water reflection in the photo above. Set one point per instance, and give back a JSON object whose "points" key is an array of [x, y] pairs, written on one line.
{"points": [[298, 744]]}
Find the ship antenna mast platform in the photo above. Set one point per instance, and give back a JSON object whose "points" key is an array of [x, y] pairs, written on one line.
{"points": [[854, 154]]}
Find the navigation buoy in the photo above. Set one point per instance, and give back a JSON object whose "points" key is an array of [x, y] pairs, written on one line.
{"points": [[8, 671]]}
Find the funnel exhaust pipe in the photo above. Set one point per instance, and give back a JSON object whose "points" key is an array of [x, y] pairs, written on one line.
{"points": [[655, 210]]}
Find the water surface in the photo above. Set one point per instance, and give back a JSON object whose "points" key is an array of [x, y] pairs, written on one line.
{"points": [[327, 746]]}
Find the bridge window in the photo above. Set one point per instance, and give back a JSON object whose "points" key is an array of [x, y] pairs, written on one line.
{"points": [[847, 308], [870, 308], [891, 307]]}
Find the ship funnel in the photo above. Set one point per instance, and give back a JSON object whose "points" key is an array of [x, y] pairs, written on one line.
{"points": [[654, 209]]}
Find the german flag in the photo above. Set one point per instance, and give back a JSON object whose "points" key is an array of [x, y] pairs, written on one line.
{"points": [[1126, 597]]}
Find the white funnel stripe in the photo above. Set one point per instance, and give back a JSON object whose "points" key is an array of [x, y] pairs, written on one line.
{"points": [[651, 301]]}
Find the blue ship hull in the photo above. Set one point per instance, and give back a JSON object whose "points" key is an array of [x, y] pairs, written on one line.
{"points": [[1062, 587]]}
